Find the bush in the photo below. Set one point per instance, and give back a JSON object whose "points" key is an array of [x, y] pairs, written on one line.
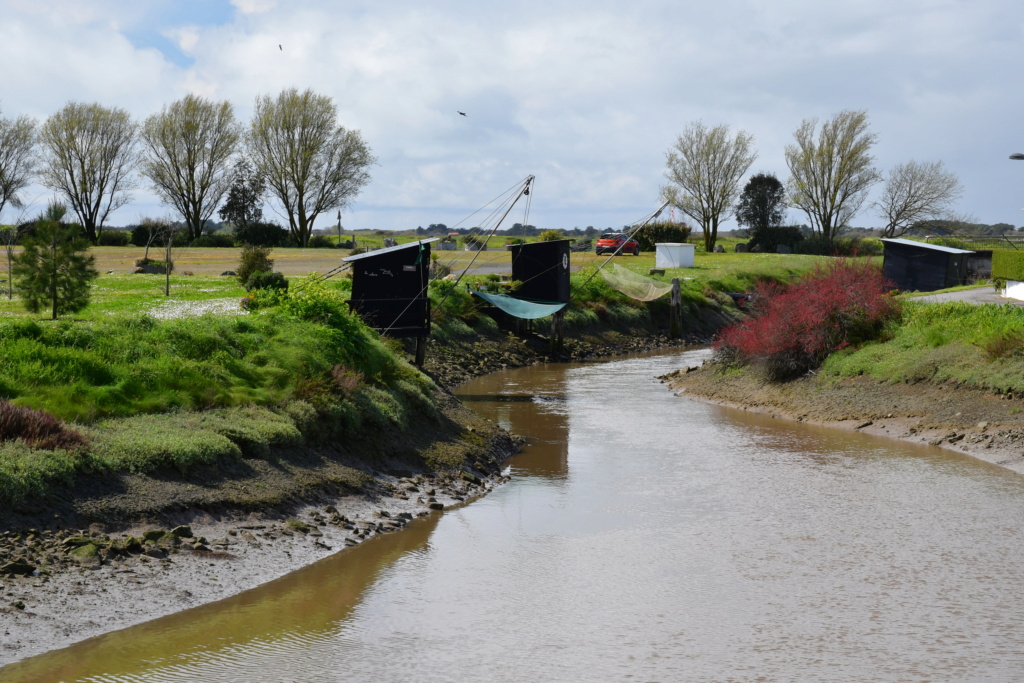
{"points": [[114, 238], [263, 279], [550, 236], [36, 428], [320, 242], [215, 239], [474, 242], [261, 234], [769, 239], [1008, 264], [661, 232], [140, 235], [793, 329], [839, 246], [252, 259]]}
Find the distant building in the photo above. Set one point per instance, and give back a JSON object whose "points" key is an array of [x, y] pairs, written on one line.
{"points": [[920, 267]]}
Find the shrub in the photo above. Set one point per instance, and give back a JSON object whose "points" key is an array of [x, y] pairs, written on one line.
{"points": [[1008, 264], [36, 428], [216, 240], [661, 232], [261, 234], [793, 329], [320, 242], [839, 246], [252, 259], [263, 279], [474, 241], [114, 238], [550, 236], [769, 239]]}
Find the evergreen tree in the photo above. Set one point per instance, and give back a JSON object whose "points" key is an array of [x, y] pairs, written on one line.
{"points": [[54, 269], [762, 203]]}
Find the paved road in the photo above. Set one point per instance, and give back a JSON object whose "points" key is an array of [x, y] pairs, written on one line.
{"points": [[981, 295]]}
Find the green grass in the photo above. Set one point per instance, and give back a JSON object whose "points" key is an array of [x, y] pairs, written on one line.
{"points": [[978, 346]]}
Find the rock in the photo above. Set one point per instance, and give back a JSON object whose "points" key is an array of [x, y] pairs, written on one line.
{"points": [[742, 248], [229, 273], [983, 426], [153, 535], [436, 505], [864, 424], [88, 554], [183, 531], [17, 568], [719, 249]]}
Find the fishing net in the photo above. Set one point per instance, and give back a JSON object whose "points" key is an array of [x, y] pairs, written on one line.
{"points": [[634, 285], [520, 308]]}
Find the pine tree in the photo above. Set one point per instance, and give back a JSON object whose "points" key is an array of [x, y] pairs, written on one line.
{"points": [[54, 269]]}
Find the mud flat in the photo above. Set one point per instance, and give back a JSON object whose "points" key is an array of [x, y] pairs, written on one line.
{"points": [[981, 424]]}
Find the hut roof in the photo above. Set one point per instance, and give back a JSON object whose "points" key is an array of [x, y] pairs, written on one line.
{"points": [[388, 250], [925, 245]]}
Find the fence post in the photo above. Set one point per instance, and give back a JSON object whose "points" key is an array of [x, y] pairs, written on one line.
{"points": [[675, 325]]}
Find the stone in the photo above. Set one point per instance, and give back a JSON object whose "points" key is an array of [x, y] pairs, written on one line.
{"points": [[183, 531], [436, 505], [719, 249], [742, 248], [17, 568]]}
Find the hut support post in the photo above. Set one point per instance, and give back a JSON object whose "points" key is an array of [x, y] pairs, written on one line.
{"points": [[421, 351], [555, 340], [675, 325]]}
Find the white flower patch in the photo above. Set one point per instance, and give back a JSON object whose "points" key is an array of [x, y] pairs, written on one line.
{"points": [[187, 309]]}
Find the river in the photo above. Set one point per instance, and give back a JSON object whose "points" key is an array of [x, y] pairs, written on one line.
{"points": [[643, 537]]}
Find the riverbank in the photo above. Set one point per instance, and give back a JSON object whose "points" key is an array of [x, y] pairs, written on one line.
{"points": [[162, 545], [283, 514], [977, 423]]}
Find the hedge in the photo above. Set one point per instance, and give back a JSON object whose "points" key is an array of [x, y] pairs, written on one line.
{"points": [[1008, 264]]}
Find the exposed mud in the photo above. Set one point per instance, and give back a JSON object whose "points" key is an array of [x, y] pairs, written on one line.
{"points": [[981, 424]]}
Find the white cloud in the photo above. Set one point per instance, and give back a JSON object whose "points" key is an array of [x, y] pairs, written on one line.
{"points": [[588, 96]]}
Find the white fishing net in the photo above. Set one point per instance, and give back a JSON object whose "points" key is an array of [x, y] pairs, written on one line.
{"points": [[634, 285]]}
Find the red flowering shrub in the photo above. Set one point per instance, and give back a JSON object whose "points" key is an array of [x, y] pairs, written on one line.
{"points": [[793, 328], [37, 428]]}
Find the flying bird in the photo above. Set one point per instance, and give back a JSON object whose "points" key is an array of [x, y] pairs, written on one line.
{"points": [[280, 48], [463, 113]]}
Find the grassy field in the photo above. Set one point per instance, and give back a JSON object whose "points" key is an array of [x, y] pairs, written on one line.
{"points": [[117, 291]]}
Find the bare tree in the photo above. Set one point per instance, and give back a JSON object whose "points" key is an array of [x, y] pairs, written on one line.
{"points": [[17, 158], [916, 191], [704, 170], [831, 175], [310, 163], [189, 146], [89, 156]]}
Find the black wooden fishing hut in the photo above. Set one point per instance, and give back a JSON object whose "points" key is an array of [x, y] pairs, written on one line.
{"points": [[543, 270], [389, 290], [922, 267]]}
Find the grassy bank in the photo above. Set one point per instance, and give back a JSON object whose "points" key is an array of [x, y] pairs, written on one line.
{"points": [[980, 347], [150, 389]]}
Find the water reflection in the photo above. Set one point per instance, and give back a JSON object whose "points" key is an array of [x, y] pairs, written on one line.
{"points": [[280, 619]]}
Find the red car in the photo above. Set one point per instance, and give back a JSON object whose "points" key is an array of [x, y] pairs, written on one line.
{"points": [[617, 243]]}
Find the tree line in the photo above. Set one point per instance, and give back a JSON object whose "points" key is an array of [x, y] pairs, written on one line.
{"points": [[193, 154], [831, 173]]}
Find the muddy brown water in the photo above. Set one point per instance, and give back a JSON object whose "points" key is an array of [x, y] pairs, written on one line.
{"points": [[642, 537]]}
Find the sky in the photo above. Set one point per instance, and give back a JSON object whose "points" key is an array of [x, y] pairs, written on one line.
{"points": [[588, 96]]}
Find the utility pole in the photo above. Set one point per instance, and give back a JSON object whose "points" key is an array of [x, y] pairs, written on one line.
{"points": [[339, 227]]}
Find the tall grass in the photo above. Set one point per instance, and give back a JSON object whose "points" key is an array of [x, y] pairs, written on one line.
{"points": [[976, 346]]}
